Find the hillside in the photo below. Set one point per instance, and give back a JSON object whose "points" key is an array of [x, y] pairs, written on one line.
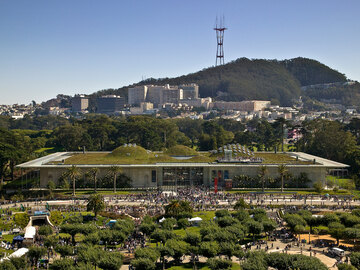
{"points": [[278, 81], [309, 71]]}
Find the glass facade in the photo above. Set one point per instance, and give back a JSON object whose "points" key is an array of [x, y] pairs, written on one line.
{"points": [[183, 176]]}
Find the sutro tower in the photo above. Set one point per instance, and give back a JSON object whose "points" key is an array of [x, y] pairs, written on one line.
{"points": [[220, 30]]}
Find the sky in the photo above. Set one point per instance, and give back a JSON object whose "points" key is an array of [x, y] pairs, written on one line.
{"points": [[68, 47]]}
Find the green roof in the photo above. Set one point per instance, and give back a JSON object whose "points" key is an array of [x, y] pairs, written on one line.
{"points": [[138, 155]]}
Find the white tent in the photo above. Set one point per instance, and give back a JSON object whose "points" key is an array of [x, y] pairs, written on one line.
{"points": [[162, 220], [195, 219], [17, 254], [30, 232]]}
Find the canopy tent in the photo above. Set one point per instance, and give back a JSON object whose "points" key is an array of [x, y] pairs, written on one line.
{"points": [[162, 220], [195, 219], [30, 232], [18, 238], [17, 254]]}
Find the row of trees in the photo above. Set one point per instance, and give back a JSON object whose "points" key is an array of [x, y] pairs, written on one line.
{"points": [[74, 173], [338, 225], [285, 179]]}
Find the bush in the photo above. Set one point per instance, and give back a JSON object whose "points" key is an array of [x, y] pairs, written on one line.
{"points": [[45, 230], [56, 218], [61, 264], [218, 264], [183, 223], [318, 186], [143, 264], [355, 259], [344, 266], [148, 253], [21, 219]]}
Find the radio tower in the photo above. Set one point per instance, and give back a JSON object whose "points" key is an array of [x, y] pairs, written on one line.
{"points": [[220, 29]]}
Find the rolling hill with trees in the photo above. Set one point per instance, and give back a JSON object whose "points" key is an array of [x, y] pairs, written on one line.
{"points": [[242, 79]]}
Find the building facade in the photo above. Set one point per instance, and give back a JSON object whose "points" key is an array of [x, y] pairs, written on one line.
{"points": [[180, 173], [79, 103], [110, 104]]}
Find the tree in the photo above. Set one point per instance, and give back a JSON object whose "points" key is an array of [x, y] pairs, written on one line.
{"points": [[263, 170], [73, 173], [64, 251], [111, 261], [7, 265], [183, 223], [56, 218], [293, 220], [254, 227], [178, 247], [168, 224], [178, 209], [143, 264], [51, 186], [209, 249], [35, 253], [355, 259], [90, 255], [95, 203], [344, 266], [114, 171], [62, 264], [93, 172], [241, 204], [147, 227], [337, 231], [164, 252], [282, 170], [50, 243], [45, 230], [148, 252], [318, 186], [21, 219], [219, 264]]}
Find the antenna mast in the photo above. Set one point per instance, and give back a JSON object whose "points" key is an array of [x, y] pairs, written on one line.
{"points": [[220, 30]]}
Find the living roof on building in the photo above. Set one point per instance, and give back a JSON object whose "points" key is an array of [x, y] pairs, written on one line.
{"points": [[132, 156]]}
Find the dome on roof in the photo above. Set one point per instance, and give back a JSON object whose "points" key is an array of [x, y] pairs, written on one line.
{"points": [[130, 151]]}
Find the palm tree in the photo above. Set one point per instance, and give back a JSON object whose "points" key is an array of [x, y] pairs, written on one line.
{"points": [[73, 172], [282, 170], [93, 172], [95, 203], [114, 170], [263, 170]]}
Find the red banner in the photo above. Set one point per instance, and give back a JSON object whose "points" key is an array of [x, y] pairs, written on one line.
{"points": [[216, 184]]}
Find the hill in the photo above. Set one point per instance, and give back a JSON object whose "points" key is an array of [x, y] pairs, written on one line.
{"points": [[242, 79]]}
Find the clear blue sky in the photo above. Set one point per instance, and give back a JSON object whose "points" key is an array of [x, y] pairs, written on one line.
{"points": [[49, 47]]}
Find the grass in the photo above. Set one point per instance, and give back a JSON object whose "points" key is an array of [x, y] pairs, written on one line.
{"points": [[345, 183], [182, 232], [181, 150], [138, 155]]}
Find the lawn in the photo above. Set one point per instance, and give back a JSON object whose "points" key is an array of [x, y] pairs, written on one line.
{"points": [[345, 183], [182, 232], [138, 155]]}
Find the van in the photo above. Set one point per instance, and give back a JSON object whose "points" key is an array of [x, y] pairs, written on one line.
{"points": [[336, 252]]}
